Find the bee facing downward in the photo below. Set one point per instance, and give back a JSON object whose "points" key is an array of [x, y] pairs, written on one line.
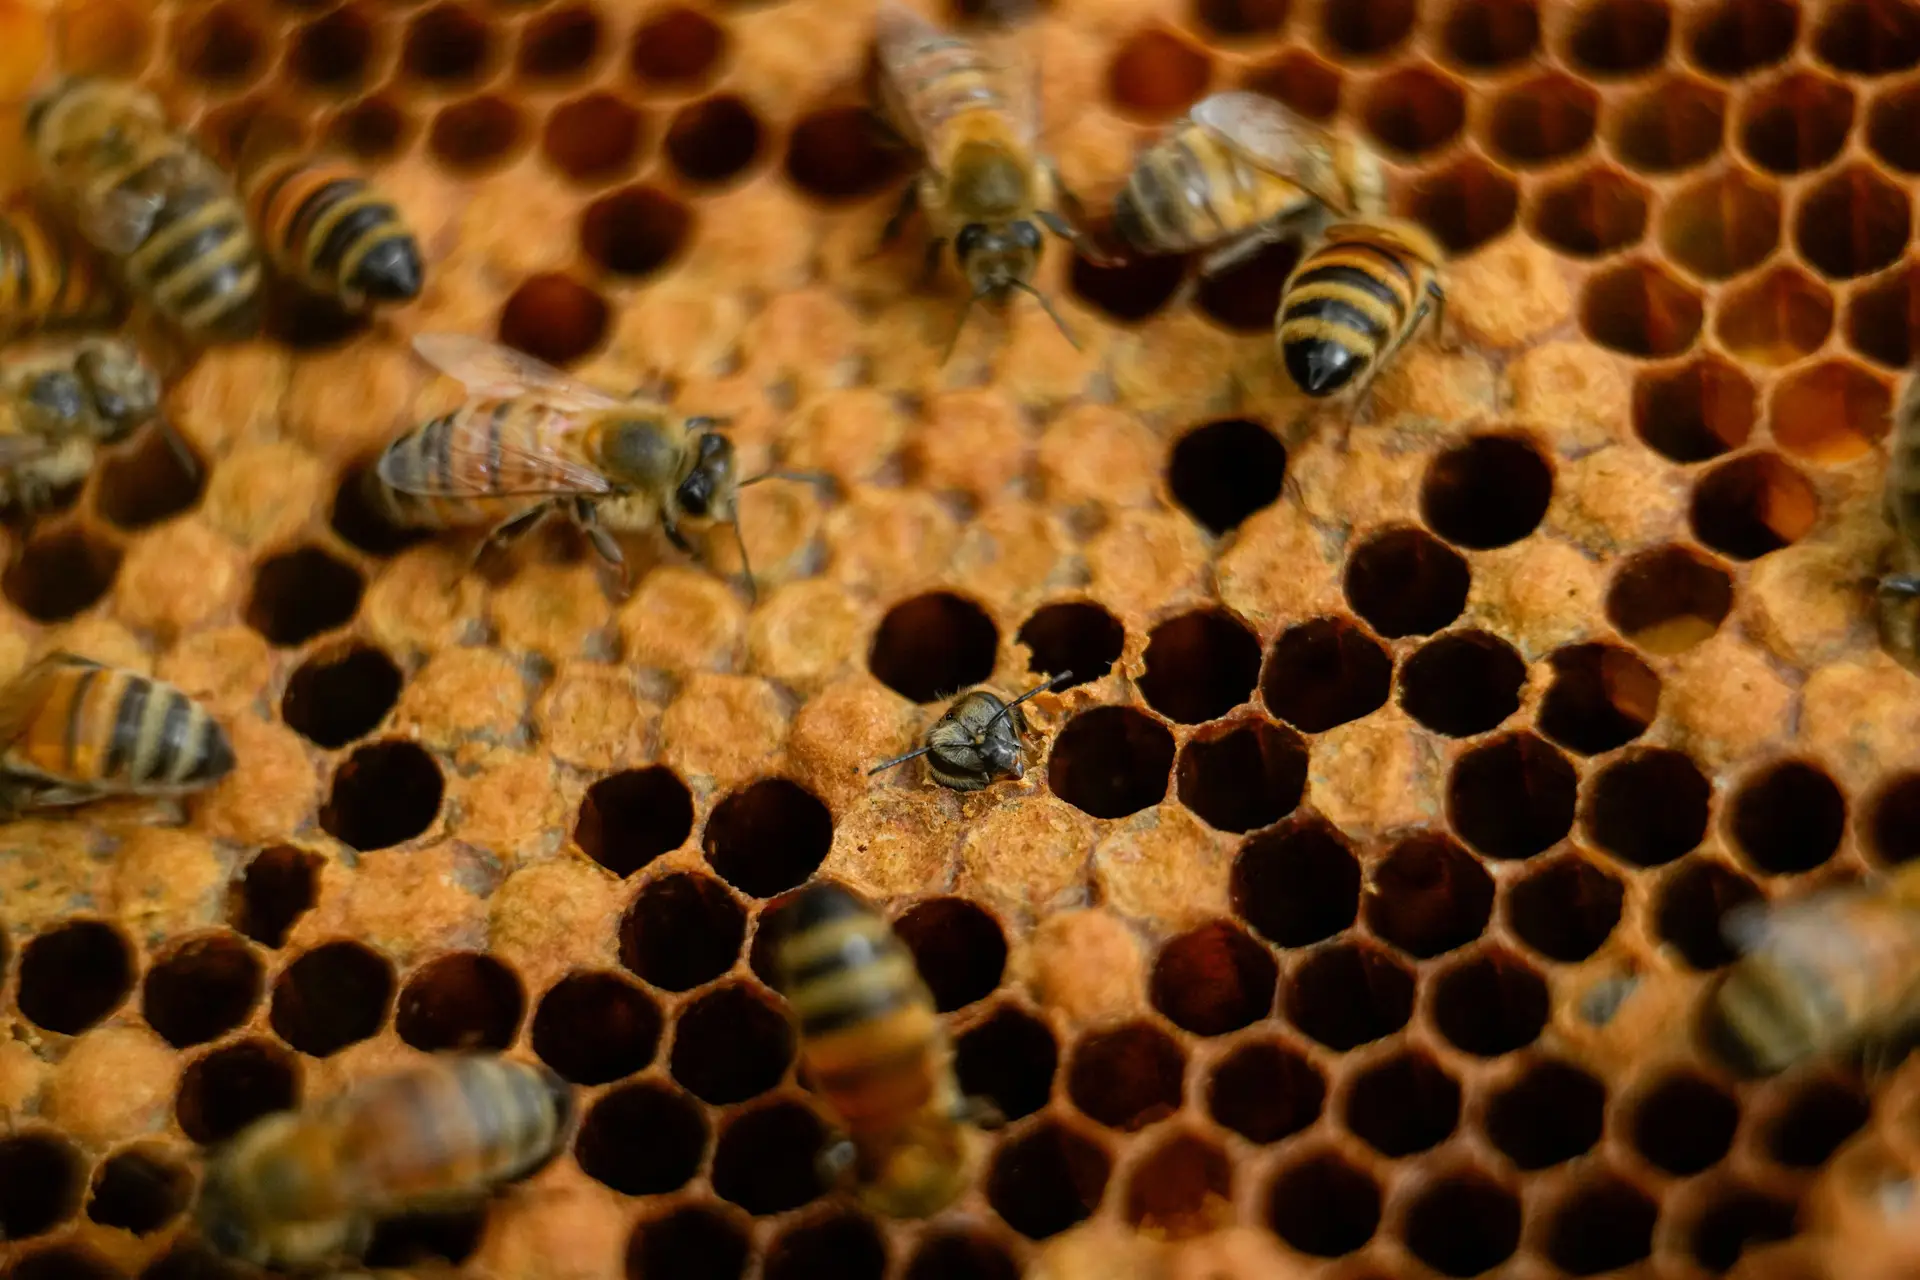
{"points": [[61, 401], [74, 730], [48, 280], [301, 1189], [1355, 301], [1899, 594], [978, 740]]}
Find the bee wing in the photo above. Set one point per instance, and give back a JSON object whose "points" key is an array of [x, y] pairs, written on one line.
{"points": [[474, 459], [489, 370], [118, 221], [915, 57], [1264, 131]]}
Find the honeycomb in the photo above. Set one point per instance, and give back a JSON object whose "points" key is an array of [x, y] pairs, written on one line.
{"points": [[1393, 732]]}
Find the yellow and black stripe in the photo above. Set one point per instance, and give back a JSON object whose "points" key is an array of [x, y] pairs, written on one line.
{"points": [[1190, 190], [423, 484], [48, 279], [324, 226], [1353, 301]]}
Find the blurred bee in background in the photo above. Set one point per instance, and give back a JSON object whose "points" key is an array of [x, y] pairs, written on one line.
{"points": [[985, 186], [1355, 300], [875, 1051], [1239, 172], [1899, 593], [978, 741], [301, 1189], [1621, 1015], [143, 193], [61, 402], [75, 731], [48, 279]]}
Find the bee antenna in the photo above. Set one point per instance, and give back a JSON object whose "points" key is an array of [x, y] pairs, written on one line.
{"points": [[954, 342], [881, 768], [804, 477], [1065, 677], [753, 591], [1047, 303]]}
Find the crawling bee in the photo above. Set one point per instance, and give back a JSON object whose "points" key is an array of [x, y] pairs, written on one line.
{"points": [[61, 402], [301, 1189], [1899, 594], [141, 192], [874, 1049], [985, 185], [75, 731], [48, 279], [977, 742], [1239, 172], [1355, 301]]}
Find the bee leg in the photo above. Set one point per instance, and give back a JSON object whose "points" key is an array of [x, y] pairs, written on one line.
{"points": [[1443, 335], [1082, 243], [506, 533], [897, 221], [1900, 585], [932, 266], [1237, 251], [982, 1113]]}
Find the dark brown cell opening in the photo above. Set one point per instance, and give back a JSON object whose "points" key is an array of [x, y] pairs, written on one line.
{"points": [[1076, 636], [1551, 1114], [63, 1262], [1213, 979], [1820, 1116], [1512, 798], [1129, 291], [1742, 36], [635, 231], [1565, 908], [642, 1140], [201, 990], [1722, 226], [1736, 1220], [1265, 1091], [424, 1239], [279, 886], [333, 996], [1252, 775], [73, 975], [40, 1184], [1323, 1206], [1368, 28], [60, 574], [1668, 600], [682, 930], [1675, 124], [224, 129], [933, 646], [477, 135], [1403, 1105], [593, 140], [1797, 124], [332, 52], [464, 1003], [690, 1243], [1046, 1180], [1111, 762], [1463, 1224], [1695, 412], [1752, 506], [594, 1028], [1348, 995], [1428, 896], [1406, 582], [1777, 319], [446, 45], [136, 1191], [1010, 1058], [1684, 1124], [224, 1091], [1155, 75], [220, 46], [1691, 907], [1199, 666], [1893, 821], [1638, 309], [1223, 472], [559, 44], [1298, 885], [156, 478], [1491, 1004], [1830, 414], [767, 838], [1465, 205], [1241, 19], [1604, 1225], [958, 949], [714, 141], [1128, 1077], [555, 318], [1621, 37], [384, 794], [373, 130], [1543, 120], [730, 1045], [836, 155], [629, 819], [1415, 110], [1246, 296], [764, 1160], [1301, 80], [1597, 213], [837, 1247], [309, 322], [297, 595], [1869, 37], [1852, 224], [1324, 673], [1883, 318], [1181, 1189], [1649, 807], [339, 696], [1889, 131], [676, 49], [1485, 35], [1462, 684], [956, 1255]]}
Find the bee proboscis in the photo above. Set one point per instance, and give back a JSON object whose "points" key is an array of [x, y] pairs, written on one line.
{"points": [[978, 741], [1898, 598], [1355, 300], [48, 279], [61, 401]]}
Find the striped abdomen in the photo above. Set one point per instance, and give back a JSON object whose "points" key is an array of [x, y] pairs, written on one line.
{"points": [[85, 729], [1190, 190], [1349, 304], [48, 280], [323, 225], [198, 264], [931, 78], [468, 482]]}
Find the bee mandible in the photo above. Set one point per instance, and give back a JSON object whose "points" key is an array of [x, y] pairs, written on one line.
{"points": [[978, 741]]}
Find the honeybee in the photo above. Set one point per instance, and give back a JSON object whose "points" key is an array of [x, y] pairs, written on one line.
{"points": [[300, 1189], [1621, 1015], [146, 195], [48, 279], [75, 731], [1899, 594], [1355, 301], [875, 1050], [61, 402], [978, 741], [531, 441], [985, 184], [1240, 171]]}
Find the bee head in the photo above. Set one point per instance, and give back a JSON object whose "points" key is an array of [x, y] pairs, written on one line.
{"points": [[709, 488], [124, 391], [997, 257], [56, 397]]}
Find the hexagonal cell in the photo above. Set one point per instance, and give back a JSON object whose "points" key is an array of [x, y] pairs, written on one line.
{"points": [[1129, 292], [279, 886], [1852, 223], [1325, 673], [1489, 491], [641, 1139], [335, 995], [677, 49], [1111, 761], [1796, 124], [333, 52], [731, 1044], [930, 647], [1883, 317], [201, 989], [1638, 309], [62, 1262], [1465, 205], [839, 1244], [1721, 226], [687, 1242], [1777, 319], [1543, 119], [1296, 885], [137, 1191], [958, 949], [1402, 1105], [1684, 1124], [1736, 1220], [635, 231], [1512, 797], [220, 46], [1565, 908], [445, 1235], [1489, 1004], [1488, 36], [1603, 1225], [1246, 296], [1820, 1116], [681, 931], [1892, 825], [553, 317], [1831, 413], [1428, 896], [1182, 1187], [1696, 411], [1073, 635], [1223, 472], [1047, 1179], [1669, 599], [1869, 37], [596, 1027], [560, 44], [1199, 666], [447, 45], [1265, 1091], [1127, 1077], [1894, 144], [1464, 1223], [1737, 37], [1596, 212], [73, 975], [156, 477], [1693, 902], [465, 1001], [764, 1160], [340, 695], [60, 574], [960, 1255], [384, 794], [1405, 582], [592, 139], [1241, 19], [762, 840], [1753, 505], [1155, 75], [1369, 28], [713, 142], [477, 135], [1213, 979], [629, 819], [1323, 1206], [1349, 994], [1620, 37], [1674, 124], [1601, 697], [1245, 775], [225, 1090], [1551, 1114], [1415, 110], [1010, 1058], [40, 1183], [833, 155], [1300, 79], [1649, 807]]}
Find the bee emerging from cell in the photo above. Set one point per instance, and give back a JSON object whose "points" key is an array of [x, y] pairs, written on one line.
{"points": [[978, 741]]}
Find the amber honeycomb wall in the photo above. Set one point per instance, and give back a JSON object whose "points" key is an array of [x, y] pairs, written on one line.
{"points": [[1391, 735]]}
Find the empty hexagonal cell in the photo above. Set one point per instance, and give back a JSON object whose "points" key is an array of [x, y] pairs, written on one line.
{"points": [[447, 44], [1721, 226], [1489, 491], [1598, 211], [374, 129], [595, 1027], [60, 574], [340, 695], [713, 142], [1486, 35], [1620, 37], [62, 1262], [1601, 1226], [1543, 119], [1199, 666], [1788, 818], [297, 595], [1776, 319], [477, 135], [1405, 582], [1462, 684], [1753, 505], [641, 1139], [201, 989], [1684, 1123], [1009, 1057], [40, 1183], [1402, 1105], [1674, 124], [1894, 144], [958, 949], [1638, 309], [1047, 1179], [1324, 673], [384, 794], [1831, 413], [1740, 36], [332, 53], [1428, 896], [1812, 1124], [834, 155], [1869, 37], [731, 1044], [465, 1001], [1797, 123], [444, 1235], [961, 1255], [1213, 979], [1265, 1091], [335, 995], [1242, 775], [1180, 1188], [559, 44], [1415, 110], [1649, 807], [156, 477], [763, 840], [688, 1242], [1564, 908], [839, 1244], [1074, 635], [1883, 316], [1127, 1077], [1512, 797], [1490, 1004], [1601, 697], [1695, 412], [1241, 19], [1892, 825], [1223, 472], [1368, 28], [1852, 223], [225, 1090], [1465, 205], [1127, 292], [1735, 1219], [930, 647], [676, 49], [764, 1160], [682, 930], [72, 975], [1669, 599], [1297, 885], [1301, 79], [278, 887], [553, 317], [138, 1191], [1349, 994], [221, 45], [1550, 1114], [635, 231], [1111, 761], [1156, 75], [1692, 906], [1462, 1224], [592, 139], [1323, 1206]]}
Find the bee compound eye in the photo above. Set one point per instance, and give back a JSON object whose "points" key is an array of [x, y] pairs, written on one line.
{"points": [[970, 240], [1027, 235]]}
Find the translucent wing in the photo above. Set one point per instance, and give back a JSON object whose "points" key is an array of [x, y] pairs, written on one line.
{"points": [[490, 370], [1265, 132], [118, 221], [465, 457], [929, 76]]}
